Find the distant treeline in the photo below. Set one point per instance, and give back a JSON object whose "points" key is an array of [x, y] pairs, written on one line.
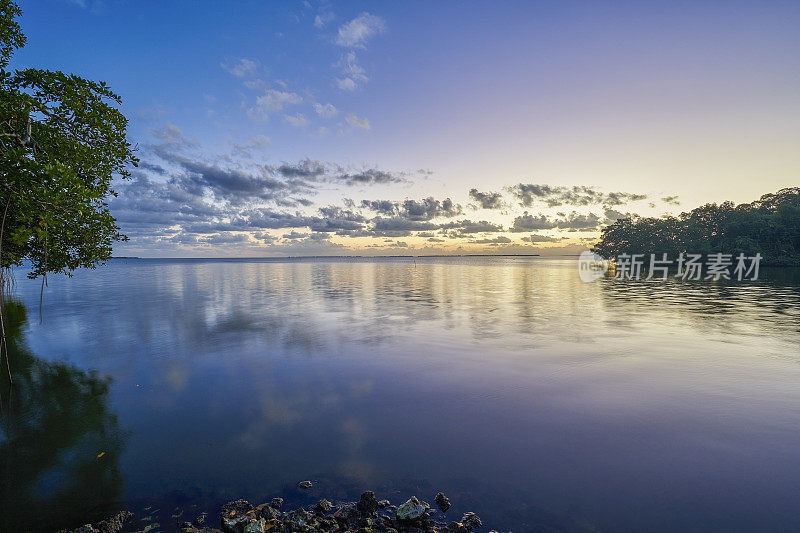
{"points": [[769, 226]]}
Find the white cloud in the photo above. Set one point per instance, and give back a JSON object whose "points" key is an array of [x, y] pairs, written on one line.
{"points": [[356, 122], [325, 111], [354, 73], [272, 100], [323, 18], [298, 120], [256, 84], [349, 65], [346, 84], [241, 67], [357, 32]]}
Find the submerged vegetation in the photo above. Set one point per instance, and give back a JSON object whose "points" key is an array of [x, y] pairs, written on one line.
{"points": [[769, 226]]}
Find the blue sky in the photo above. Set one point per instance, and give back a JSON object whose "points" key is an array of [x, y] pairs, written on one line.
{"points": [[551, 106]]}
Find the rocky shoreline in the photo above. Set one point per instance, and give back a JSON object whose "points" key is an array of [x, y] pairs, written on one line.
{"points": [[366, 515]]}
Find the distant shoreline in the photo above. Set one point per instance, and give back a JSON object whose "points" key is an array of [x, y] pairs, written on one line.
{"points": [[347, 256]]}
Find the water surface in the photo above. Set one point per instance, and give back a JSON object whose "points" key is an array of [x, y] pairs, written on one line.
{"points": [[528, 396]]}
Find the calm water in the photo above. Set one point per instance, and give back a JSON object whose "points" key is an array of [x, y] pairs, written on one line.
{"points": [[530, 397]]}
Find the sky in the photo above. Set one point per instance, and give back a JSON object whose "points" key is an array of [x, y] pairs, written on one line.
{"points": [[371, 128]]}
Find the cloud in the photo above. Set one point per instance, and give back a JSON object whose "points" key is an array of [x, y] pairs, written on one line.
{"points": [[272, 100], [232, 185], [356, 33], [241, 67], [354, 74], [578, 222], [573, 222], [265, 218], [401, 225], [323, 17], [466, 227], [171, 137], [578, 195], [354, 121], [346, 84], [306, 168], [487, 200], [612, 215], [326, 110], [256, 84], [425, 209], [294, 235], [500, 239], [336, 219], [317, 171], [225, 238], [535, 237], [246, 149], [179, 197], [671, 200], [369, 176], [297, 121], [384, 207], [526, 223]]}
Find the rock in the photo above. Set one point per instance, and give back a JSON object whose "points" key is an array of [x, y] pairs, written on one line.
{"points": [[471, 521], [276, 503], [235, 515], [268, 512], [115, 523], [187, 527], [256, 526], [323, 506], [305, 484], [367, 505], [112, 524], [412, 510], [384, 503], [200, 520], [442, 501], [347, 514]]}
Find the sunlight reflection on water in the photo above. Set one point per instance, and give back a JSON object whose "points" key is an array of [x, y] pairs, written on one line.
{"points": [[624, 405]]}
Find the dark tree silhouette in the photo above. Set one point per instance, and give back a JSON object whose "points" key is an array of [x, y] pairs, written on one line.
{"points": [[769, 226]]}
